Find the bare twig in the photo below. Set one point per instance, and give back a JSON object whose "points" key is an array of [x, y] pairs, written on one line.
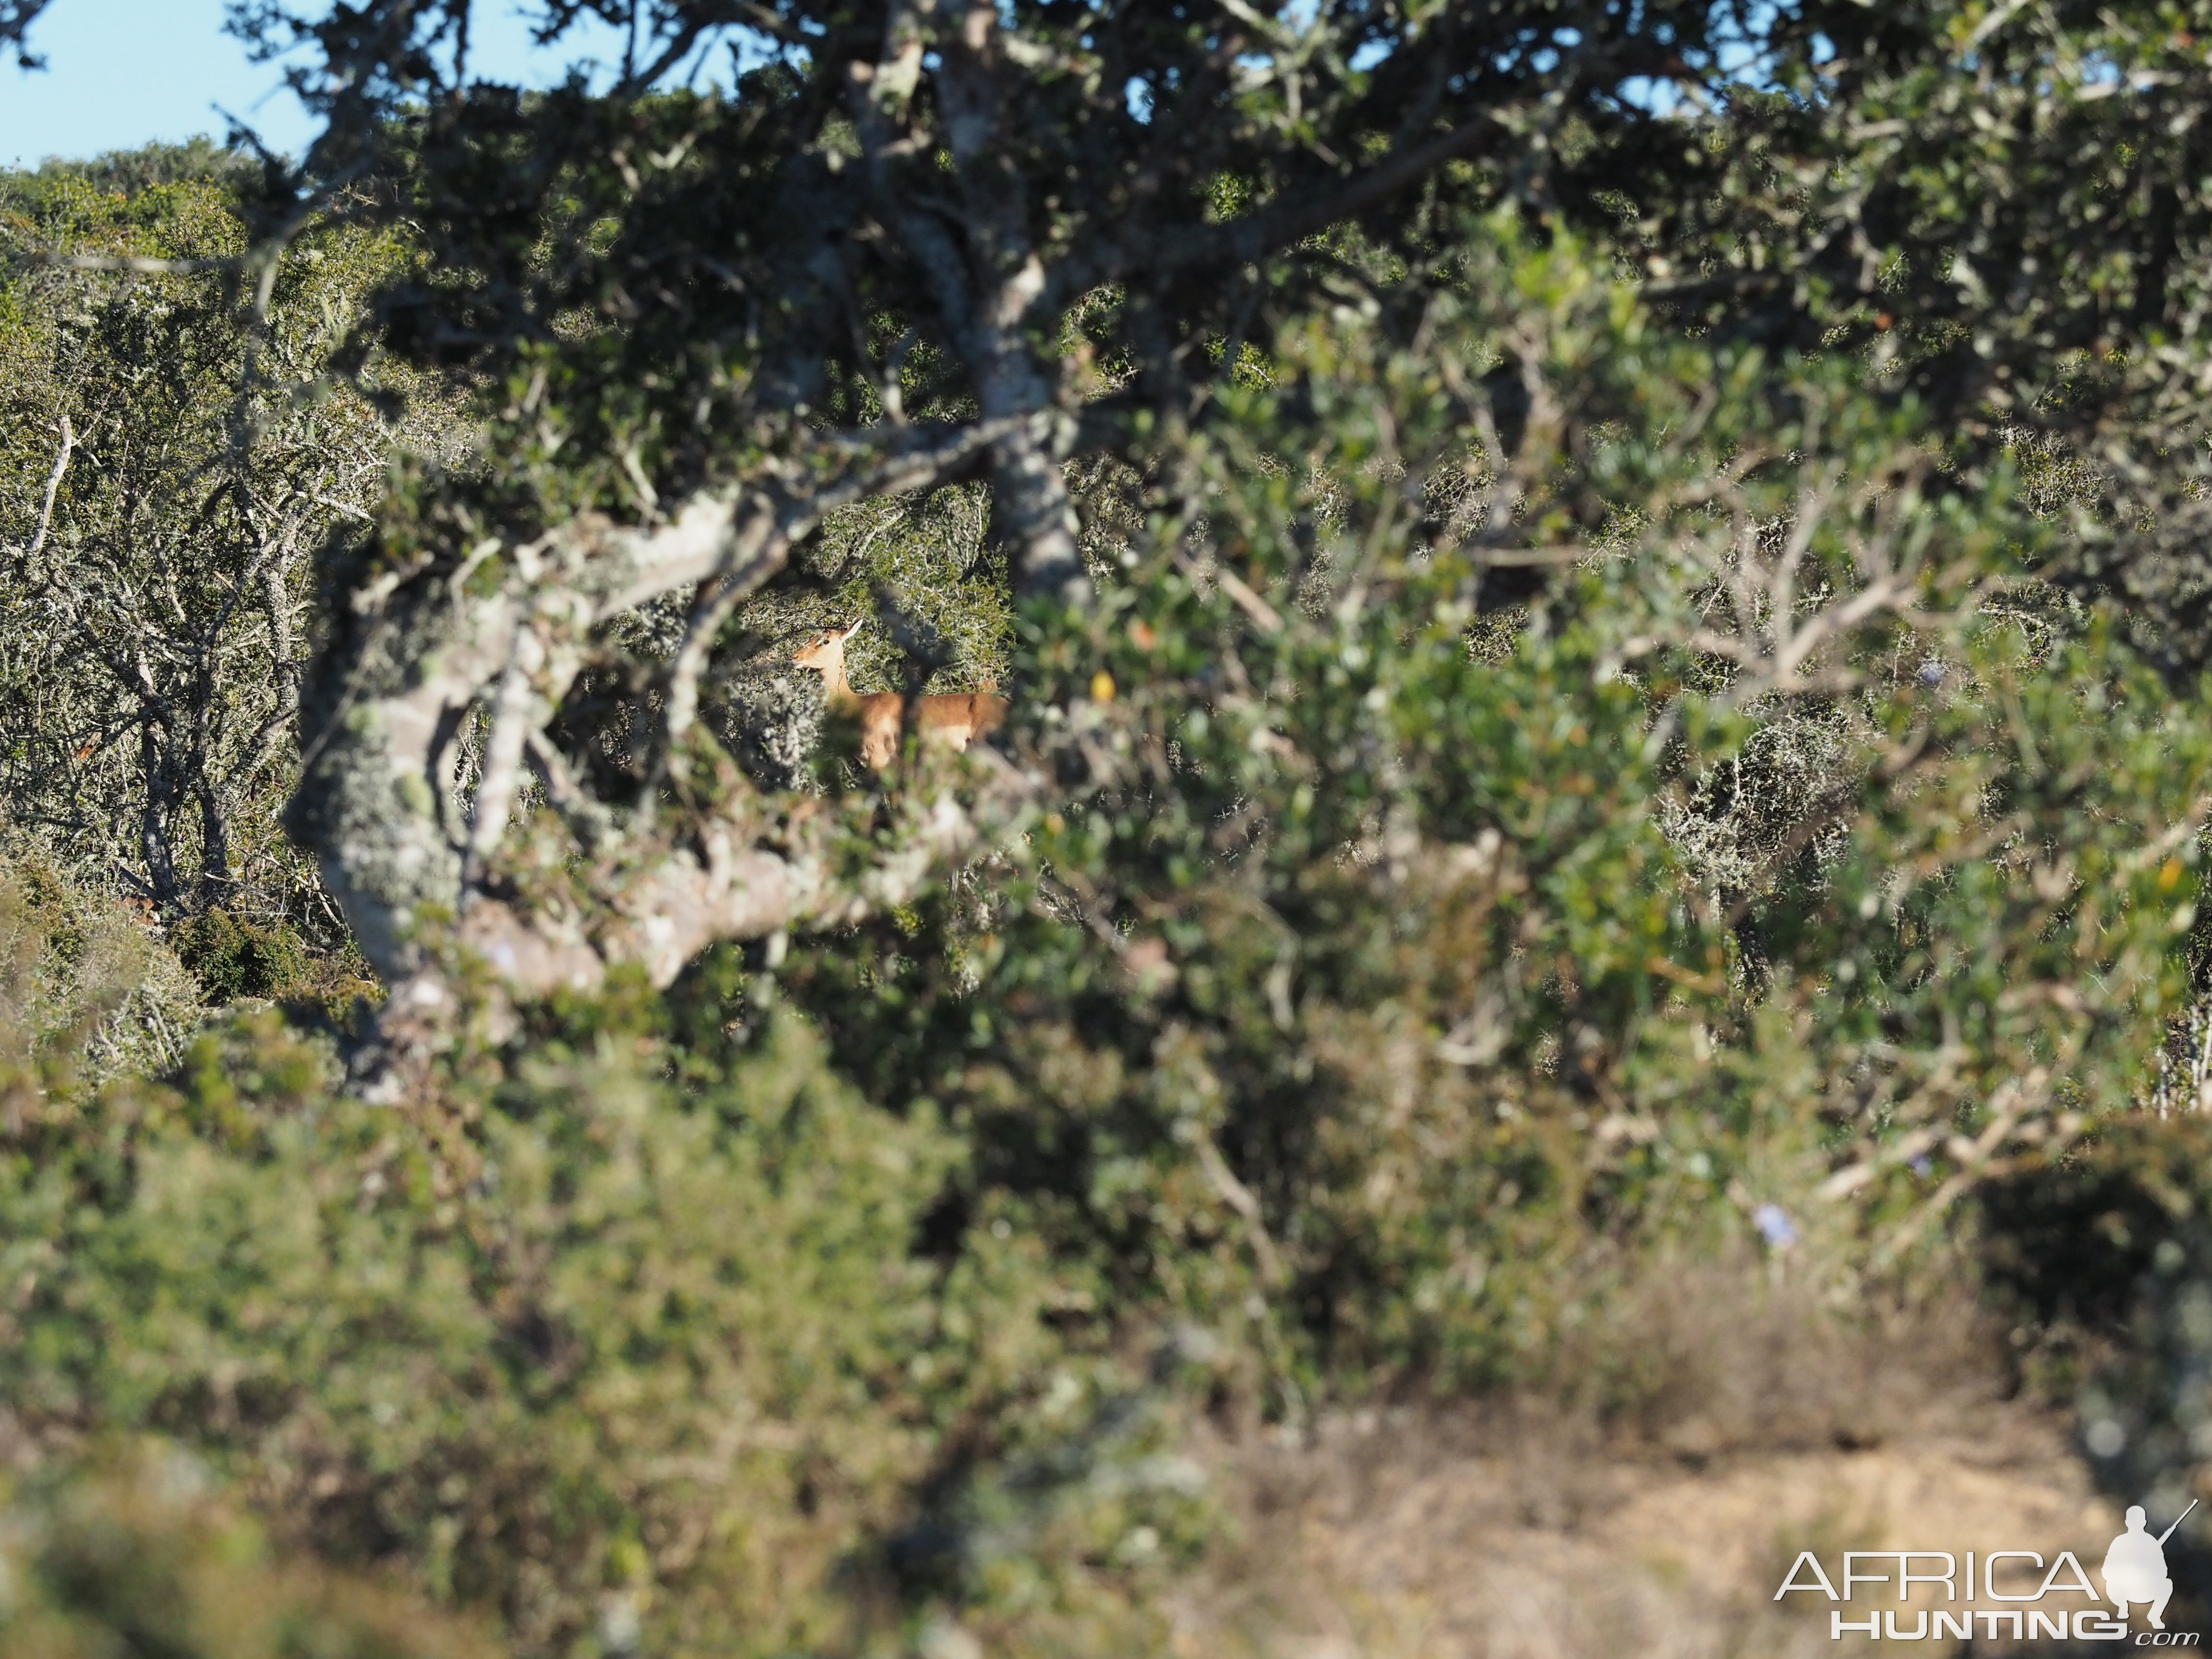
{"points": [[1263, 614], [53, 487], [138, 265]]}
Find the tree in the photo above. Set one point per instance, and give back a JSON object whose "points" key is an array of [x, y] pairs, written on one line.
{"points": [[176, 458], [16, 18], [1398, 983], [1999, 208], [1800, 836], [913, 246]]}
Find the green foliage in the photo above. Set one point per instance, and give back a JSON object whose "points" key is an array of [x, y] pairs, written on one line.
{"points": [[1555, 779], [87, 994], [765, 270], [1417, 982], [171, 459], [136, 1554], [233, 959], [614, 1362], [1416, 954]]}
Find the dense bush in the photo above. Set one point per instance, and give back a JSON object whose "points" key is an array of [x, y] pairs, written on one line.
{"points": [[1362, 1022], [604, 1360], [1387, 953], [87, 991], [1400, 976], [174, 451], [136, 1553], [1537, 779]]}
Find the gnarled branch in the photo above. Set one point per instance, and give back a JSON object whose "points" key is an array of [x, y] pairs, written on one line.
{"points": [[424, 652]]}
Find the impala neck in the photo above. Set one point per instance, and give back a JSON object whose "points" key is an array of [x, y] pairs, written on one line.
{"points": [[836, 688]]}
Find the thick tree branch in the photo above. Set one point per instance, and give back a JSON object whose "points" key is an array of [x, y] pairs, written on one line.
{"points": [[987, 281], [426, 650], [1255, 235], [16, 18]]}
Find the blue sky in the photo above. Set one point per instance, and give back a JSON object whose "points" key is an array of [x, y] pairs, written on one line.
{"points": [[122, 73]]}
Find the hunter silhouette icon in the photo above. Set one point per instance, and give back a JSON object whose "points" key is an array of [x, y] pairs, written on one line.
{"points": [[2134, 1567]]}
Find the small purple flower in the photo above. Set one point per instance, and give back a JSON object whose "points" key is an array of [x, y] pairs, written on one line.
{"points": [[1931, 673], [1775, 1226], [1920, 1165]]}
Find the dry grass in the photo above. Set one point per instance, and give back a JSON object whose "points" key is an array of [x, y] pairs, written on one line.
{"points": [[87, 991], [1725, 1422]]}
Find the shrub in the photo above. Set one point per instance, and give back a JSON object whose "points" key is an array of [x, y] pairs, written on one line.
{"points": [[2101, 1258], [88, 992], [138, 1554], [234, 958], [615, 1362]]}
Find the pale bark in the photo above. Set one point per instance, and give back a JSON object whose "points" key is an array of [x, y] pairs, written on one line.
{"points": [[372, 804], [989, 284], [424, 650], [428, 655]]}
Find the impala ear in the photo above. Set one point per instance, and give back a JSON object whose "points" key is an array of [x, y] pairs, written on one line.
{"points": [[855, 627]]}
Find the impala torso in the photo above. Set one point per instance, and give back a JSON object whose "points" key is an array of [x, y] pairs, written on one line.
{"points": [[956, 718]]}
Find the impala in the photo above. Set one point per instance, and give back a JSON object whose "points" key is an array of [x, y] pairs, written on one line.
{"points": [[956, 719]]}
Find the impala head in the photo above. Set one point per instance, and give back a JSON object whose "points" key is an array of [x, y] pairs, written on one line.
{"points": [[825, 652]]}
